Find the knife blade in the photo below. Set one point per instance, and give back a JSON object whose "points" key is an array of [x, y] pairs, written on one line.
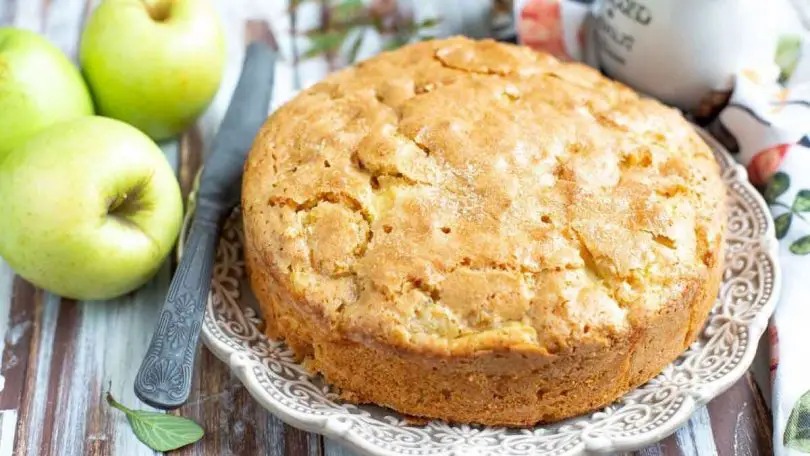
{"points": [[164, 378]]}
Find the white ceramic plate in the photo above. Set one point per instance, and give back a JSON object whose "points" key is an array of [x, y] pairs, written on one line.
{"points": [[724, 350]]}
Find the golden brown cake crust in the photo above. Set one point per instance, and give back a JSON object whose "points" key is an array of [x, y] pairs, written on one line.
{"points": [[472, 231]]}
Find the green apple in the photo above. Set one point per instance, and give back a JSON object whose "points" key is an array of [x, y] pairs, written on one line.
{"points": [[90, 208], [39, 87], [155, 64]]}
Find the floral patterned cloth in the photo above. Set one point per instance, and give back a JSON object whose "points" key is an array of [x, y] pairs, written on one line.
{"points": [[555, 26], [766, 126]]}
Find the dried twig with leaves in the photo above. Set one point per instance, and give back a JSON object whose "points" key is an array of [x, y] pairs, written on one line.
{"points": [[347, 21]]}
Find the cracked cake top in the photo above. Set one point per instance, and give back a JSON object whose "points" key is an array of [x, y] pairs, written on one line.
{"points": [[456, 195]]}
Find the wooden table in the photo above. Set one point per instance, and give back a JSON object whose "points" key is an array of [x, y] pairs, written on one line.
{"points": [[59, 356]]}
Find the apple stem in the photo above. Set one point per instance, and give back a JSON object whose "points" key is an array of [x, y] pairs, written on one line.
{"points": [[158, 9]]}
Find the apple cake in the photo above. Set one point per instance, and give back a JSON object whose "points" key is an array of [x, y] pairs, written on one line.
{"points": [[476, 232]]}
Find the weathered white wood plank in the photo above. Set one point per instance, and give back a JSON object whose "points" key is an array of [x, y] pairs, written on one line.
{"points": [[740, 420], [6, 283], [761, 368], [5, 13], [315, 442], [332, 448], [37, 409], [8, 418], [28, 14], [696, 438], [8, 425], [63, 24]]}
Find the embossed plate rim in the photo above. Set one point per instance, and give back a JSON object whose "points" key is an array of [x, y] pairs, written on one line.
{"points": [[582, 431]]}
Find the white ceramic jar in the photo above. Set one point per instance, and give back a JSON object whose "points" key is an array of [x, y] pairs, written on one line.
{"points": [[680, 50]]}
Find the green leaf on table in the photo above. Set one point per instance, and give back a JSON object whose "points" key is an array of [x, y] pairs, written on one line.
{"points": [[802, 201], [782, 224], [797, 429], [801, 246], [159, 431], [777, 185], [788, 51]]}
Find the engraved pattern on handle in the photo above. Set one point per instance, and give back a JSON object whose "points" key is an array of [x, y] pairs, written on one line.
{"points": [[164, 379]]}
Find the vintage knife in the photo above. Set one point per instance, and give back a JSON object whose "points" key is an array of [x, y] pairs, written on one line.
{"points": [[164, 379]]}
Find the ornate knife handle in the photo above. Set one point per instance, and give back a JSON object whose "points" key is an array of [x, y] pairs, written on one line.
{"points": [[164, 379]]}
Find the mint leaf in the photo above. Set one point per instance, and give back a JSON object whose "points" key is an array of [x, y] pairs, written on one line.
{"points": [[802, 201], [159, 431], [797, 429], [801, 246], [777, 185], [782, 224]]}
